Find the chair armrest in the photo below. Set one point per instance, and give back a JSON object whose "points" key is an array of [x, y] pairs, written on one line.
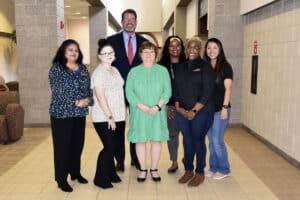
{"points": [[15, 121]]}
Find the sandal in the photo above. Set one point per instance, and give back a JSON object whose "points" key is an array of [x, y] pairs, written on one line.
{"points": [[155, 178], [142, 179]]}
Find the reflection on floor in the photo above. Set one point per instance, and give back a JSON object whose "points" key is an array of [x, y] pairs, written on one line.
{"points": [[26, 172]]}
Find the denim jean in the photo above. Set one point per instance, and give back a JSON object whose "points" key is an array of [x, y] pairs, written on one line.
{"points": [[218, 160], [194, 132]]}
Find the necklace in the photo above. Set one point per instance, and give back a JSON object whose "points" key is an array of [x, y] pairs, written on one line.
{"points": [[172, 71]]}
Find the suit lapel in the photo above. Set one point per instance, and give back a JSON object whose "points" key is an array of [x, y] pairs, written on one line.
{"points": [[121, 41], [138, 44]]}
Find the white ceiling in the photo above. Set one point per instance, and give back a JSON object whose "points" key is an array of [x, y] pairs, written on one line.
{"points": [[78, 9]]}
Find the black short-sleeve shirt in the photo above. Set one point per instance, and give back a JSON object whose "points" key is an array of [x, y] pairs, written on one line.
{"points": [[194, 82], [226, 73]]}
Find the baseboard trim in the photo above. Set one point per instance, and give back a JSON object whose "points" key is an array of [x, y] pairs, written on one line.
{"points": [[235, 125], [274, 148]]}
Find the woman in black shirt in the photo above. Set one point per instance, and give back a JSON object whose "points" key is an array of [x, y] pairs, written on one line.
{"points": [[193, 91], [218, 162], [172, 56]]}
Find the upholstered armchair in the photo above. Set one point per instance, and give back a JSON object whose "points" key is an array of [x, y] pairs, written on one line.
{"points": [[11, 117], [13, 85]]}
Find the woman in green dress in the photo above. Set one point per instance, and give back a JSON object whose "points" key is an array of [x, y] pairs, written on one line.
{"points": [[148, 89]]}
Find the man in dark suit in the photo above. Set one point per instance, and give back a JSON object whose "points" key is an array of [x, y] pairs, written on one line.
{"points": [[126, 44]]}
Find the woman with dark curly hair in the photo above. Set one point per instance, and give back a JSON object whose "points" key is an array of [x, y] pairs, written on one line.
{"points": [[172, 56]]}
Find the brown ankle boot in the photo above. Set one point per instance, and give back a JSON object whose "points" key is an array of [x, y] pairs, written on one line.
{"points": [[196, 180], [186, 177]]}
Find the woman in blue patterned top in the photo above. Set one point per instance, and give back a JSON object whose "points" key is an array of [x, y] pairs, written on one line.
{"points": [[71, 96]]}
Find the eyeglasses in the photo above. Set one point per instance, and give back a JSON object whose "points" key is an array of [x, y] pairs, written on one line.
{"points": [[129, 20], [107, 53], [148, 52]]}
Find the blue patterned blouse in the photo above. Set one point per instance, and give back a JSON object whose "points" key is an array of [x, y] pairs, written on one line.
{"points": [[67, 87]]}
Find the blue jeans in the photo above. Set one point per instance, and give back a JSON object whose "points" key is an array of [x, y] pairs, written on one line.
{"points": [[194, 132], [218, 161]]}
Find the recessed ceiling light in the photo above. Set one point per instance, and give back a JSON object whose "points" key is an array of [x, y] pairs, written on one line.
{"points": [[84, 17], [67, 6], [77, 13]]}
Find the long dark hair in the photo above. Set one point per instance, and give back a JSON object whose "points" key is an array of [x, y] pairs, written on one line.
{"points": [[221, 58], [165, 58], [60, 54]]}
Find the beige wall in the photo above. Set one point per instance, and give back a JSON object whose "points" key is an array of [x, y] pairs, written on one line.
{"points": [[8, 65], [115, 7], [274, 112], [148, 12], [7, 16], [192, 19], [168, 9], [247, 6], [78, 29]]}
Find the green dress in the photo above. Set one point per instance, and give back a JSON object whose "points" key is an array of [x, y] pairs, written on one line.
{"points": [[148, 86]]}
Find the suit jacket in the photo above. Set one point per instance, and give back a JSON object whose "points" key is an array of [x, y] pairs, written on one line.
{"points": [[121, 61]]}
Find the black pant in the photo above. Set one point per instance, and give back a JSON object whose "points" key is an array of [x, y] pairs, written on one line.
{"points": [[68, 140], [105, 170], [120, 146]]}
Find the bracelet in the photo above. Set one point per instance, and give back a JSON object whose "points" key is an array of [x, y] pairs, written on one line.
{"points": [[159, 108]]}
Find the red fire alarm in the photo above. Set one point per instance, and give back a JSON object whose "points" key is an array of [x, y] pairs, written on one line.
{"points": [[255, 47], [62, 25]]}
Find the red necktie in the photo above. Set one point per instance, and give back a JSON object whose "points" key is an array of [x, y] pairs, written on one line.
{"points": [[130, 51]]}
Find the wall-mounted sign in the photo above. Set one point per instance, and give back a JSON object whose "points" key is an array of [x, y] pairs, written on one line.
{"points": [[62, 25]]}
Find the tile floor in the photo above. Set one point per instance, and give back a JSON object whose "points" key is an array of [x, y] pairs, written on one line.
{"points": [[26, 172]]}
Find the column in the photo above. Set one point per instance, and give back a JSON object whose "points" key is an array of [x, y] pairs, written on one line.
{"points": [[98, 29], [39, 35], [225, 23]]}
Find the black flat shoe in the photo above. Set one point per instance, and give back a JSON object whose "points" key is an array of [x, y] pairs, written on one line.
{"points": [[115, 179], [65, 187], [80, 179], [120, 167], [104, 185], [136, 164], [172, 170], [142, 179], [155, 179]]}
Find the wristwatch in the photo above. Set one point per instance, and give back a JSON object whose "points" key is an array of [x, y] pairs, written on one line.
{"points": [[110, 117], [195, 111], [159, 108], [225, 106]]}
